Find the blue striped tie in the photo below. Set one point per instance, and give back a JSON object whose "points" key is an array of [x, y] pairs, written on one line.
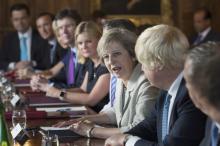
{"points": [[113, 89], [165, 116], [214, 135], [23, 49]]}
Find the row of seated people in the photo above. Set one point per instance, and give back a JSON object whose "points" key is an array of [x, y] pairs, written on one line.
{"points": [[152, 107], [145, 116]]}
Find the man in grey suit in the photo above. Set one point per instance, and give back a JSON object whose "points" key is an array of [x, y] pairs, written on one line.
{"points": [[202, 79]]}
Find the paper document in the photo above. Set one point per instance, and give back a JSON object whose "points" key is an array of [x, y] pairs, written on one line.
{"points": [[60, 109]]}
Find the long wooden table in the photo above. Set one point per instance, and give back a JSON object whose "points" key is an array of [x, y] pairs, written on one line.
{"points": [[36, 138]]}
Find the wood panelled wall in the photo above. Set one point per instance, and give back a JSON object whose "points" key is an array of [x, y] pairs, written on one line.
{"points": [[182, 11]]}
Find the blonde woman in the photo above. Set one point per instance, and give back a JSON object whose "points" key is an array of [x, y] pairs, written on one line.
{"points": [[94, 90]]}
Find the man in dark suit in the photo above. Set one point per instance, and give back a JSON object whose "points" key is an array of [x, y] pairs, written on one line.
{"points": [[24, 47], [66, 22], [54, 52], [175, 121], [202, 24], [44, 26], [201, 72]]}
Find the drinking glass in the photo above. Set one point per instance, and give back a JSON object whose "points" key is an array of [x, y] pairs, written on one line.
{"points": [[19, 116], [49, 140]]}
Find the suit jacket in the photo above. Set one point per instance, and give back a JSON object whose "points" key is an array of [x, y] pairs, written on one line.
{"points": [[186, 127], [80, 70], [207, 139], [59, 53], [10, 51], [211, 36], [132, 106]]}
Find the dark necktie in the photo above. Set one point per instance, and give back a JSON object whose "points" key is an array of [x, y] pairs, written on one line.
{"points": [[52, 51], [165, 116], [198, 40], [71, 68], [113, 89], [214, 135]]}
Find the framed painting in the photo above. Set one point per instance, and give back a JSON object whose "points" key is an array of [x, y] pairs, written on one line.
{"points": [[138, 11]]}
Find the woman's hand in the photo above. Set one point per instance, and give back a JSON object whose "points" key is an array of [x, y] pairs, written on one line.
{"points": [[82, 127], [51, 91], [68, 123], [116, 140]]}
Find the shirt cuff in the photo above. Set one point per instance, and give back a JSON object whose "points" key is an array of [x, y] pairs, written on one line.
{"points": [[11, 66], [132, 140]]}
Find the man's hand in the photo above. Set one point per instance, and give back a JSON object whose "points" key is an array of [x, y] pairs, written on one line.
{"points": [[22, 64], [116, 140]]}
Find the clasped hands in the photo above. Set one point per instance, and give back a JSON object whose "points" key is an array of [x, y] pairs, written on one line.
{"points": [[38, 82]]}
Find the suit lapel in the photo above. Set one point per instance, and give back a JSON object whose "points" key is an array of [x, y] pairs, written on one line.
{"points": [[16, 45], [182, 91]]}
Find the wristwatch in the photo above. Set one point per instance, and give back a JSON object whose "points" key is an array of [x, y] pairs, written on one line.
{"points": [[62, 95]]}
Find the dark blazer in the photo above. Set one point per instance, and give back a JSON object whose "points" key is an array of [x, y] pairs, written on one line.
{"points": [[79, 75], [207, 139], [186, 127], [10, 51], [59, 53], [211, 36]]}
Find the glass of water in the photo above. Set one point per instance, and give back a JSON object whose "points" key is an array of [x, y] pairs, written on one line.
{"points": [[19, 116], [50, 140]]}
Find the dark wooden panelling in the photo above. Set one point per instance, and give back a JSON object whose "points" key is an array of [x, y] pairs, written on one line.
{"points": [[182, 11]]}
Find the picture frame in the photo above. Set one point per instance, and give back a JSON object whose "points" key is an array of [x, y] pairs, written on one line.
{"points": [[162, 14]]}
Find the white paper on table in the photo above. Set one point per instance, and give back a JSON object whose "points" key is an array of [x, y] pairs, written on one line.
{"points": [[57, 109]]}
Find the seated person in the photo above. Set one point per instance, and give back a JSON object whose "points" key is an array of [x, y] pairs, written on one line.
{"points": [[174, 121], [94, 89], [135, 96], [201, 72], [65, 24]]}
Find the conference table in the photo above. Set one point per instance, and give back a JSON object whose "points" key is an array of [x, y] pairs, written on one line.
{"points": [[38, 119]]}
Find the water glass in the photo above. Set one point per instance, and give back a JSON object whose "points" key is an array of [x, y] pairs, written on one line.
{"points": [[19, 116], [50, 140]]}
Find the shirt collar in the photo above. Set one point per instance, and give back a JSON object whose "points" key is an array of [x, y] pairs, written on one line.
{"points": [[205, 32], [175, 85], [27, 34], [218, 126], [52, 42], [74, 50]]}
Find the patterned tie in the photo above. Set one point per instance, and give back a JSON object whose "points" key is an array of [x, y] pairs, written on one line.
{"points": [[23, 49], [165, 116], [214, 135], [113, 89], [71, 68]]}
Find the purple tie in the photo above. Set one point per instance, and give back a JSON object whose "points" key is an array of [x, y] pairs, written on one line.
{"points": [[71, 69]]}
